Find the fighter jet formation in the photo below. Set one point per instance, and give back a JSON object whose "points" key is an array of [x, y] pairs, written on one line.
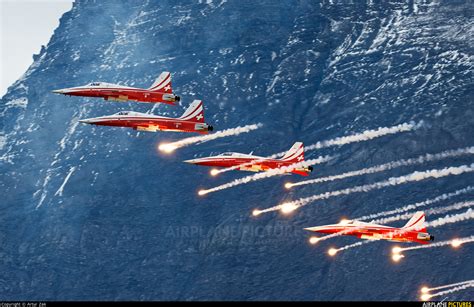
{"points": [[191, 121], [290, 162]]}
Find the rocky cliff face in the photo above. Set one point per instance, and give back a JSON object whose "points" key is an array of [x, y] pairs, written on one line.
{"points": [[97, 213]]}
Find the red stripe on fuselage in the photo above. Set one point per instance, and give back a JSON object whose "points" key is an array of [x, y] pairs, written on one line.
{"points": [[131, 89], [389, 233], [229, 162], [131, 94], [162, 124]]}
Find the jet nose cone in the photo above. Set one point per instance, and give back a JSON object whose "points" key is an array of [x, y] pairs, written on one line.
{"points": [[312, 228], [192, 161], [86, 121], [60, 91]]}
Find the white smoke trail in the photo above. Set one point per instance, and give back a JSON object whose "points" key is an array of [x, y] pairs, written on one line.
{"points": [[333, 235], [266, 174], [365, 136], [456, 206], [394, 181], [339, 141], [170, 147], [432, 211], [455, 289], [389, 166], [437, 244], [415, 206], [350, 246], [360, 243], [449, 219], [450, 285]]}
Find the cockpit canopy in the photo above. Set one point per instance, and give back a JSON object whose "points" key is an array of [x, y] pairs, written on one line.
{"points": [[229, 154], [130, 113], [347, 222], [105, 84], [240, 155]]}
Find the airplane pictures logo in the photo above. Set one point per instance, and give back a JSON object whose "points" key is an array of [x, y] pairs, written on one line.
{"points": [[447, 304]]}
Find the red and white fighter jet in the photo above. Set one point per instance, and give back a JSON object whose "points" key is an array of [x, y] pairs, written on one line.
{"points": [[160, 91], [413, 231], [191, 121], [249, 162]]}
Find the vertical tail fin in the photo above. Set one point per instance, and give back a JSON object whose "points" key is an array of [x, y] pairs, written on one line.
{"points": [[195, 112], [295, 154], [162, 83], [416, 222]]}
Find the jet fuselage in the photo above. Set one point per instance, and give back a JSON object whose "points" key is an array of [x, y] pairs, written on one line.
{"points": [[249, 163], [119, 93], [376, 232]]}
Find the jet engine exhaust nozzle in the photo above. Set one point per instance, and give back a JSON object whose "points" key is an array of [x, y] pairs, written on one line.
{"points": [[210, 128]]}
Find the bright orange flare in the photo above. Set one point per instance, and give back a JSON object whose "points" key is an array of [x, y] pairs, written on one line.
{"points": [[287, 208], [167, 148], [425, 290], [288, 185], [202, 192], [456, 243], [397, 257], [396, 250], [332, 252], [313, 240], [256, 212], [425, 297], [214, 172]]}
